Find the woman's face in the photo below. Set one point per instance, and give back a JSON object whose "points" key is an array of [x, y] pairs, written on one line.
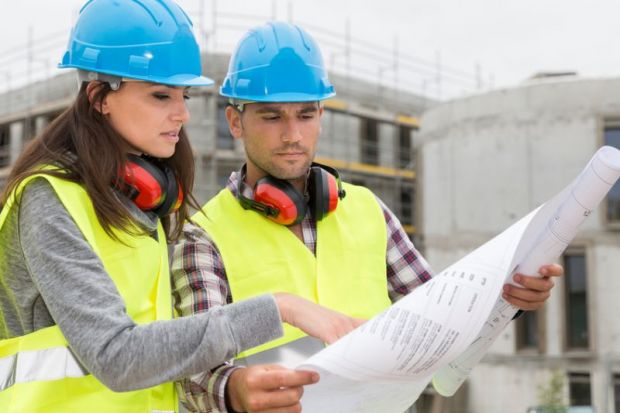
{"points": [[148, 116]]}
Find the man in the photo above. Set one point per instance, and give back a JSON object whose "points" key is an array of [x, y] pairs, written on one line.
{"points": [[260, 234]]}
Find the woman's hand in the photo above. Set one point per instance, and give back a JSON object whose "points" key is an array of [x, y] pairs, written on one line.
{"points": [[313, 319]]}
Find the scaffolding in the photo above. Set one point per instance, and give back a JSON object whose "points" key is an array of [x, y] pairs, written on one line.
{"points": [[368, 131], [218, 29]]}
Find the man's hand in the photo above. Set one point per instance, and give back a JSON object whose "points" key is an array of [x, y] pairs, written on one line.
{"points": [[535, 290], [268, 389], [313, 319]]}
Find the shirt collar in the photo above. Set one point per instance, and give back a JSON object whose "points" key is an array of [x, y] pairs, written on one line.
{"points": [[248, 192]]}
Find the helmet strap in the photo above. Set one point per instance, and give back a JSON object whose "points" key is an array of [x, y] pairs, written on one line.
{"points": [[239, 104], [88, 76]]}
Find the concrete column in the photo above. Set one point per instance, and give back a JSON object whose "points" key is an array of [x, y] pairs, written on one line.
{"points": [[40, 122], [201, 126], [387, 143], [209, 114], [16, 139]]}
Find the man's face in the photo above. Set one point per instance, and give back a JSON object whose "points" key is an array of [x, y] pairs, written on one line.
{"points": [[280, 138]]}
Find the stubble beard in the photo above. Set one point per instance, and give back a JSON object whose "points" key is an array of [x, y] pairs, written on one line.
{"points": [[287, 174]]}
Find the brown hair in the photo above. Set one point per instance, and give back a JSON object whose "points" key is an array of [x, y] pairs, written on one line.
{"points": [[92, 153]]}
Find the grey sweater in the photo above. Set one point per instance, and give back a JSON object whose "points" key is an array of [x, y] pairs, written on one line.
{"points": [[50, 275]]}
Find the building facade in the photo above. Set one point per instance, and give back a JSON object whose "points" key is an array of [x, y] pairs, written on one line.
{"points": [[486, 161]]}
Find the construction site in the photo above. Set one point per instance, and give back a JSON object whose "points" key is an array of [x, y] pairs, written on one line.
{"points": [[368, 129], [390, 129]]}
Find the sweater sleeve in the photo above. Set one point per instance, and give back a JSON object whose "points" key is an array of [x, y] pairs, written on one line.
{"points": [[84, 302]]}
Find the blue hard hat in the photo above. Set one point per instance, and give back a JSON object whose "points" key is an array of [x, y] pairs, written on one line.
{"points": [[149, 40], [277, 62]]}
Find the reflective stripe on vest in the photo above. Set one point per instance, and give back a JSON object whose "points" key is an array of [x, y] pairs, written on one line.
{"points": [[34, 378], [37, 365], [348, 273]]}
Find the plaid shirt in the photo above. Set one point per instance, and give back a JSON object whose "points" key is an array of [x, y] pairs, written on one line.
{"points": [[200, 282]]}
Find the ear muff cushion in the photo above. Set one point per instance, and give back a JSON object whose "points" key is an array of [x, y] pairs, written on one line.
{"points": [[171, 192], [283, 197], [148, 181], [333, 192]]}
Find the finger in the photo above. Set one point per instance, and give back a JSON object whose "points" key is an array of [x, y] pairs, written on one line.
{"points": [[271, 367], [523, 305], [256, 375], [329, 337], [345, 326], [352, 323], [289, 409], [551, 270], [276, 399], [289, 396], [534, 283], [525, 294], [276, 379]]}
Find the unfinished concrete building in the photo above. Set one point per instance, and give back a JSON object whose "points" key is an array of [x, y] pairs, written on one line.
{"points": [[368, 133]]}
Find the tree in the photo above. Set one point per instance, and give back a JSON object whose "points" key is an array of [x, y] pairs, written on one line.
{"points": [[551, 396]]}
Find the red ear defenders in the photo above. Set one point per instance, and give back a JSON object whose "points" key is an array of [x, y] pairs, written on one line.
{"points": [[279, 201], [151, 185]]}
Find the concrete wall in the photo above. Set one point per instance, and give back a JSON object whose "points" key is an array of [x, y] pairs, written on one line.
{"points": [[487, 161], [340, 137]]}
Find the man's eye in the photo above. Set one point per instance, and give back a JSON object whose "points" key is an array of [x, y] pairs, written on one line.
{"points": [[271, 118], [187, 97], [160, 96]]}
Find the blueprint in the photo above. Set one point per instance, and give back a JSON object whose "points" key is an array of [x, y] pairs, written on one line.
{"points": [[442, 329]]}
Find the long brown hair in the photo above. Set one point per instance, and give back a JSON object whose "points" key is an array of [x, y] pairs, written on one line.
{"points": [[92, 153]]}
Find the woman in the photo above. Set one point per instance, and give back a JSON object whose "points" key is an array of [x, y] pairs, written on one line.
{"points": [[86, 215]]}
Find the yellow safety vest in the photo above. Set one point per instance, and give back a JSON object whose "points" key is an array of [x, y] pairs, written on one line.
{"points": [[348, 273], [38, 371]]}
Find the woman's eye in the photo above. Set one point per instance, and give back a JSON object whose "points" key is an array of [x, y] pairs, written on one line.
{"points": [[187, 97], [160, 96]]}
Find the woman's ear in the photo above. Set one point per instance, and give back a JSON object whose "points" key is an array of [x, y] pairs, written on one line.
{"points": [[100, 106], [233, 116]]}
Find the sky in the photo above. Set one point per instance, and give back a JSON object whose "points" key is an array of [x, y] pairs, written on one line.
{"points": [[457, 47]]}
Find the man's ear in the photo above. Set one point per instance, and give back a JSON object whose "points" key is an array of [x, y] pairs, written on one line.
{"points": [[233, 117], [91, 90]]}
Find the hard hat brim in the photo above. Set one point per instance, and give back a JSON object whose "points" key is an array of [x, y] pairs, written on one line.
{"points": [[281, 97], [176, 80]]}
